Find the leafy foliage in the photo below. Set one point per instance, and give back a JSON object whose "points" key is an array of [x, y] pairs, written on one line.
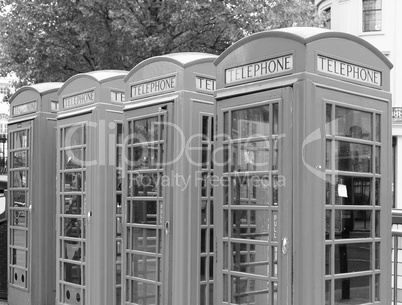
{"points": [[51, 40]]}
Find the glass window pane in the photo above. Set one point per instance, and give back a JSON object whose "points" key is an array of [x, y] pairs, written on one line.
{"points": [[119, 133], [275, 157], [18, 199], [211, 212], [204, 212], [226, 123], [250, 224], [73, 158], [20, 159], [20, 178], [19, 219], [371, 4], [328, 127], [353, 123], [73, 136], [19, 238], [353, 157], [353, 190], [352, 257], [250, 122], [250, 258], [328, 226], [250, 190], [144, 239], [146, 185], [144, 212], [146, 130], [204, 128], [355, 290], [275, 118], [328, 259], [145, 267], [353, 224], [72, 250], [72, 181], [378, 127], [377, 191], [19, 258], [249, 291], [226, 159], [372, 20], [20, 139], [378, 160], [72, 228], [72, 204], [377, 256], [328, 291], [147, 156], [251, 156], [328, 153], [328, 190], [72, 273], [377, 223], [118, 180], [119, 158]]}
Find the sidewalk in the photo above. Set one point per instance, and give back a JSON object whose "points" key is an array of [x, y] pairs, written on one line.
{"points": [[3, 302]]}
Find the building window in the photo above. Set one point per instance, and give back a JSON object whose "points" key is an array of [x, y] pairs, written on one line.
{"points": [[372, 15], [3, 90], [327, 18]]}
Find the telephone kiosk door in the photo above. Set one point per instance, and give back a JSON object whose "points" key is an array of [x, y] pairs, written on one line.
{"points": [[168, 201], [89, 127], [31, 195]]}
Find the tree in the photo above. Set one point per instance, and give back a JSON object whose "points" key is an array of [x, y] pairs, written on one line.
{"points": [[51, 40]]}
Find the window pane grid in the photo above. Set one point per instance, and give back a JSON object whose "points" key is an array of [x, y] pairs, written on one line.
{"points": [[72, 214], [206, 221], [352, 157], [250, 210], [118, 212], [372, 15], [145, 210], [19, 229]]}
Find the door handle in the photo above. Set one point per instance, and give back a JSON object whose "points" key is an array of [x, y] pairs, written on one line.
{"points": [[167, 228], [285, 245]]}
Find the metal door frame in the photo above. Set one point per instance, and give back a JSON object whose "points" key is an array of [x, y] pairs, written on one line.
{"points": [[85, 193], [166, 225], [14, 128], [283, 243]]}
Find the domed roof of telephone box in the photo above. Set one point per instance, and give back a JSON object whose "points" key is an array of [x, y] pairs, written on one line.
{"points": [[181, 59], [304, 35], [41, 88]]}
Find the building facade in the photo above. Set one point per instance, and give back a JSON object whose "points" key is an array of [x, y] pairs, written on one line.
{"points": [[376, 21]]}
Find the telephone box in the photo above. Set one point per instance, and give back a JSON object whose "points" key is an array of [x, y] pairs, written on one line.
{"points": [[168, 203], [303, 210], [89, 127], [31, 194]]}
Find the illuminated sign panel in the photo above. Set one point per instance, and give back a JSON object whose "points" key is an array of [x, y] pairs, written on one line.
{"points": [[348, 71], [268, 68], [153, 87], [25, 108], [79, 99], [205, 84]]}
